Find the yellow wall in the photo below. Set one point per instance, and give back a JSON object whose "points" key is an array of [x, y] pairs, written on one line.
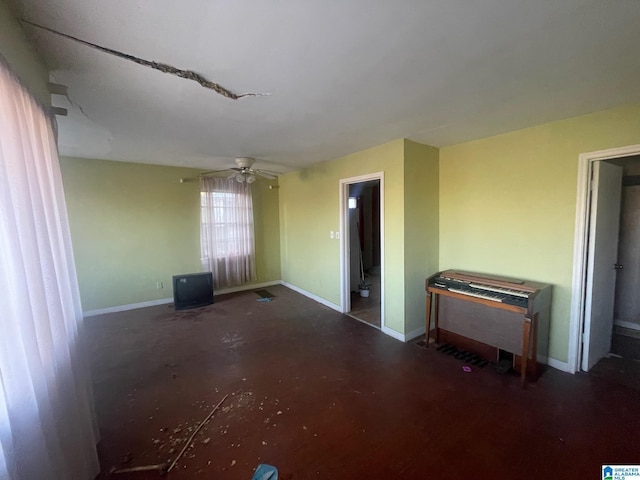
{"points": [[309, 210], [502, 205], [508, 203], [21, 56], [309, 204], [134, 225], [420, 228], [267, 230]]}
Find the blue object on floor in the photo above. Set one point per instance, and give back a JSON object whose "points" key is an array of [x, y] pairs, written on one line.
{"points": [[266, 299], [265, 472]]}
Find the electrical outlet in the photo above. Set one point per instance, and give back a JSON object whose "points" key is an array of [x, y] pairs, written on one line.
{"points": [[159, 285], [331, 234]]}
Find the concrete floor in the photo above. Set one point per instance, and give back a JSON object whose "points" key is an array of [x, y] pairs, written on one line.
{"points": [[321, 395]]}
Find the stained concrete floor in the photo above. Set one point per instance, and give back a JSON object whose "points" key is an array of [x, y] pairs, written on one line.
{"points": [[321, 395]]}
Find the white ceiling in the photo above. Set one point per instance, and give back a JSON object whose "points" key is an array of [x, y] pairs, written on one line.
{"points": [[343, 75]]}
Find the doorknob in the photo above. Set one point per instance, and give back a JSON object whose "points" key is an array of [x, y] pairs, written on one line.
{"points": [[617, 266]]}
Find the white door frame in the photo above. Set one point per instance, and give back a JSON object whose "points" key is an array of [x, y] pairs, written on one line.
{"points": [[581, 242], [345, 268]]}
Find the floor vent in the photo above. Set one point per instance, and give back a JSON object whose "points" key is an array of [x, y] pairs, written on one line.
{"points": [[264, 293]]}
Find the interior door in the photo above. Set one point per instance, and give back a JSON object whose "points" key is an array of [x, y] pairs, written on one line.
{"points": [[602, 257]]}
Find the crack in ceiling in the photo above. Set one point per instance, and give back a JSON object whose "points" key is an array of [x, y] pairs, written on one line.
{"points": [[454, 72], [163, 67]]}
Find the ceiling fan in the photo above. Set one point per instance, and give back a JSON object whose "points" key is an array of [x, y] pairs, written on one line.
{"points": [[244, 173]]}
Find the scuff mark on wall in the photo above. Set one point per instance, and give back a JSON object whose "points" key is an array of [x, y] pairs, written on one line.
{"points": [[163, 67]]}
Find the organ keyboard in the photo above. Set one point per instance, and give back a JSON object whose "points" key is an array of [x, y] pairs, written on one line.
{"points": [[493, 313]]}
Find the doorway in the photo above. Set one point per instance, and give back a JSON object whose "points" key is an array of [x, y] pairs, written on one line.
{"points": [[605, 315], [626, 326], [362, 248]]}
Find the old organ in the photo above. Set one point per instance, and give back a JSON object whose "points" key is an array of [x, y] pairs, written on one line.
{"points": [[486, 314]]}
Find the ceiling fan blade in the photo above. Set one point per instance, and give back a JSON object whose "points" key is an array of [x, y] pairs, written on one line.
{"points": [[244, 170], [264, 174]]}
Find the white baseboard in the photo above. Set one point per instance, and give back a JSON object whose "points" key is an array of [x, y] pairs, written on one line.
{"points": [[312, 296], [164, 301], [558, 365], [337, 308], [404, 337], [418, 332], [250, 286], [625, 324], [393, 333], [553, 363], [130, 306], [386, 330]]}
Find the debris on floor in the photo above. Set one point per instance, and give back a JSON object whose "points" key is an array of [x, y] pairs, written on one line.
{"points": [[173, 442], [265, 472], [195, 432], [160, 467]]}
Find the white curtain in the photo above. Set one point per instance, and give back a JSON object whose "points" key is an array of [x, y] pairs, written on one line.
{"points": [[47, 428], [226, 231]]}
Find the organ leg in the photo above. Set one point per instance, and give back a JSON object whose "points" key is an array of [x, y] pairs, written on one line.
{"points": [[526, 349], [436, 299], [428, 317]]}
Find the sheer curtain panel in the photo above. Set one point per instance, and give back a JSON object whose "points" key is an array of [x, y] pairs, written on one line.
{"points": [[226, 231], [47, 428]]}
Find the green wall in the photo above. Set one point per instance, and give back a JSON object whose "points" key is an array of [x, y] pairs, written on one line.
{"points": [[21, 56], [508, 203], [309, 210], [267, 230], [503, 205], [133, 225], [421, 192]]}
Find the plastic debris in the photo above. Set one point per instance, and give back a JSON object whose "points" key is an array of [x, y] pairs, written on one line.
{"points": [[265, 472]]}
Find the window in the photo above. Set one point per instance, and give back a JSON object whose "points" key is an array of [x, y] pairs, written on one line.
{"points": [[227, 224], [226, 231]]}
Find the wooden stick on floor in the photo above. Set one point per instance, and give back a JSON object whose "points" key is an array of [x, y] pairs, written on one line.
{"points": [[186, 445], [146, 468]]}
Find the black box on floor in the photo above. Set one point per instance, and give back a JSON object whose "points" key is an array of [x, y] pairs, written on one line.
{"points": [[192, 290]]}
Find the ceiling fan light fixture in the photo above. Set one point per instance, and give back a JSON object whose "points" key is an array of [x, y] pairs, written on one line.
{"points": [[243, 173], [244, 176]]}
